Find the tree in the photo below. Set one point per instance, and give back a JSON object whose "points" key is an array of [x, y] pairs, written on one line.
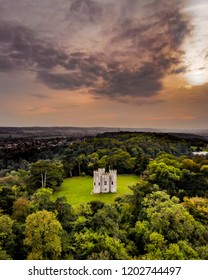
{"points": [[69, 161], [103, 162], [92, 245], [42, 199], [169, 218], [122, 161], [141, 163], [204, 170], [43, 236], [46, 174], [164, 175], [189, 164], [80, 159], [7, 238], [140, 190], [92, 162], [198, 207], [21, 209], [65, 213], [7, 199], [15, 178], [180, 251]]}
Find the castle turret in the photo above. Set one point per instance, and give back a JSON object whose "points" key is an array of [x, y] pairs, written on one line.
{"points": [[113, 180], [98, 179]]}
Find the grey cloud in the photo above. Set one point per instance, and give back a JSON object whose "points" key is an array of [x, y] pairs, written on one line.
{"points": [[140, 101], [71, 81], [87, 63], [156, 41], [6, 63], [139, 52], [19, 47], [85, 11], [154, 46], [179, 70], [142, 82], [116, 81], [163, 31], [40, 96]]}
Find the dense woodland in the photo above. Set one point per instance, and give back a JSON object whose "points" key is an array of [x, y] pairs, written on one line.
{"points": [[165, 217]]}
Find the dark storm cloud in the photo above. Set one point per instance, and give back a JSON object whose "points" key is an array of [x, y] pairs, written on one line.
{"points": [[85, 11], [139, 51], [158, 35], [87, 63], [142, 82], [154, 51], [80, 70], [14, 42], [19, 48], [71, 81], [156, 41]]}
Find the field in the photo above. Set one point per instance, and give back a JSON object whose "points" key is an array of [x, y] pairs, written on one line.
{"points": [[79, 189]]}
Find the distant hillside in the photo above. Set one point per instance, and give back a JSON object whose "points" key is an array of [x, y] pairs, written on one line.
{"points": [[36, 132]]}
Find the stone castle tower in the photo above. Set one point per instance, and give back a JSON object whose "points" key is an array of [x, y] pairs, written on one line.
{"points": [[105, 182]]}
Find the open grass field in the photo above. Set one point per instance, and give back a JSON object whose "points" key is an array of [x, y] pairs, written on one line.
{"points": [[79, 189]]}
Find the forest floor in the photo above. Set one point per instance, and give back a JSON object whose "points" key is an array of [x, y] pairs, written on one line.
{"points": [[78, 190]]}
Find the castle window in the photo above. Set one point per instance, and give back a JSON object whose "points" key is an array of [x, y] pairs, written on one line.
{"points": [[99, 184], [105, 183], [111, 183]]}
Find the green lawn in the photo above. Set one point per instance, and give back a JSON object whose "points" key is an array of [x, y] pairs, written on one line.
{"points": [[79, 189]]}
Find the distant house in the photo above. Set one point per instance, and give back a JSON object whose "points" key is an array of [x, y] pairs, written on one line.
{"points": [[104, 182], [200, 153]]}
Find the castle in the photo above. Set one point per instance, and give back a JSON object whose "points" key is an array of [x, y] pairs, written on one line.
{"points": [[105, 182]]}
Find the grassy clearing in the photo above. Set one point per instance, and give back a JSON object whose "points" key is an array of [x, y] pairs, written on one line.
{"points": [[78, 189]]}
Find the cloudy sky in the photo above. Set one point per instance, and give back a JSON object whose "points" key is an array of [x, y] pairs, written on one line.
{"points": [[126, 63]]}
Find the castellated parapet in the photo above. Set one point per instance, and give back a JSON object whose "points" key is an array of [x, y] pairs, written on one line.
{"points": [[104, 182]]}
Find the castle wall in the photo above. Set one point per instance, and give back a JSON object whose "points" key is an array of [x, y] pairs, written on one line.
{"points": [[97, 180], [104, 182]]}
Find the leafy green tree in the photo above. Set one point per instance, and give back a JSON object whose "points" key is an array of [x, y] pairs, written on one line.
{"points": [[42, 199], [202, 252], [7, 198], [65, 213], [21, 209], [165, 176], [91, 245], [204, 170], [106, 220], [193, 184], [103, 162], [198, 208], [155, 247], [122, 161], [92, 162], [45, 174], [80, 160], [169, 218], [69, 162], [43, 236], [139, 191], [189, 164], [7, 238], [141, 163], [180, 251]]}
